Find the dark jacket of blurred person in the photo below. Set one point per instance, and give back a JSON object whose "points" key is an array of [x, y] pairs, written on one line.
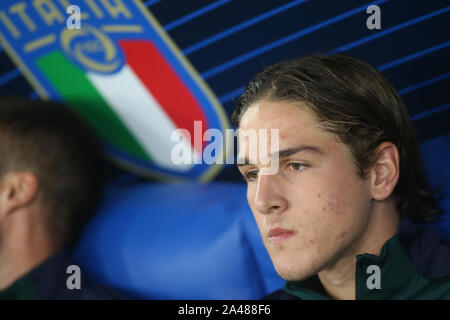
{"points": [[51, 177]]}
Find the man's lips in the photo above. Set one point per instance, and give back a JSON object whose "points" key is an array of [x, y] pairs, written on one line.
{"points": [[277, 235]]}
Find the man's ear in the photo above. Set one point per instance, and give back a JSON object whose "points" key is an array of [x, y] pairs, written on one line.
{"points": [[385, 171], [17, 190]]}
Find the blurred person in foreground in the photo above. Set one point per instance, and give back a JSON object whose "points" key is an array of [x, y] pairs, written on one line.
{"points": [[343, 216], [51, 178]]}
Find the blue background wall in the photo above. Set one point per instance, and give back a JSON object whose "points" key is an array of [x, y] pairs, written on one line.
{"points": [[229, 41]]}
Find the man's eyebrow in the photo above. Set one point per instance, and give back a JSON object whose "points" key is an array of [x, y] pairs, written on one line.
{"points": [[285, 153]]}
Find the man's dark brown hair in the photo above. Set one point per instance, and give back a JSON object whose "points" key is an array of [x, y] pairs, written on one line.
{"points": [[53, 142], [354, 101]]}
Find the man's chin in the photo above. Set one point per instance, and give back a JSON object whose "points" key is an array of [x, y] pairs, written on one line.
{"points": [[295, 272]]}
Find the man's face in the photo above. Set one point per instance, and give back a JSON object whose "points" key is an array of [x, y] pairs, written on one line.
{"points": [[316, 206]]}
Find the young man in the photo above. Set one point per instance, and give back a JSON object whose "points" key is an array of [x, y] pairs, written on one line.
{"points": [[50, 183], [340, 218]]}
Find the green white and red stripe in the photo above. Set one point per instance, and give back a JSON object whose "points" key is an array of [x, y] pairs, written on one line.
{"points": [[135, 109]]}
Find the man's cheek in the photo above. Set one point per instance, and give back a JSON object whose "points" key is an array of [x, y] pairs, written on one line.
{"points": [[260, 223], [257, 217]]}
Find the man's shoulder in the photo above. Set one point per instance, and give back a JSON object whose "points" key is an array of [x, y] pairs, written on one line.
{"points": [[59, 277]]}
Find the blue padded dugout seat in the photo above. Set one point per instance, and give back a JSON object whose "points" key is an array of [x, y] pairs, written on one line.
{"points": [[186, 241]]}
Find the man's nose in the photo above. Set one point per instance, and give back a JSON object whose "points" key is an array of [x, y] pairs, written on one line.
{"points": [[268, 198]]}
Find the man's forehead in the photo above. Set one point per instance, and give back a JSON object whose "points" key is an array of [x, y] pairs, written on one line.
{"points": [[289, 141], [288, 134], [292, 124], [290, 118]]}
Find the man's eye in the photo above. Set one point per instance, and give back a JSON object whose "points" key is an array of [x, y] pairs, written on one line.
{"points": [[296, 166], [251, 175]]}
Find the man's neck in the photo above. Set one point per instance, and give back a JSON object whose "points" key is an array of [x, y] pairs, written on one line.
{"points": [[22, 253], [338, 278]]}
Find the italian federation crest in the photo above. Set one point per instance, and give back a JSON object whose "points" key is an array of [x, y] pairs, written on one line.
{"points": [[122, 72]]}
